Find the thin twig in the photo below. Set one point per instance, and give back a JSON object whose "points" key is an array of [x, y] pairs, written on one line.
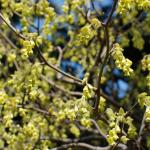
{"points": [[96, 125], [55, 68], [12, 45], [111, 100], [60, 55], [128, 112], [12, 28], [35, 109], [69, 81], [97, 13], [8, 40], [111, 12], [138, 141], [73, 93], [75, 140], [93, 131]]}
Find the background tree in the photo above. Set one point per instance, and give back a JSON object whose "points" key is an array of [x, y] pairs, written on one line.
{"points": [[62, 72]]}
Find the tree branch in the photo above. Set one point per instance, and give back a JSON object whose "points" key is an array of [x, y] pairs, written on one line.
{"points": [[75, 140], [57, 69], [106, 56], [101, 70], [100, 132], [138, 141], [12, 28], [111, 12], [35, 109], [73, 93], [83, 145]]}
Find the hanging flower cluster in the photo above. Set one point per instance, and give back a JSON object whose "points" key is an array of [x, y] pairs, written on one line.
{"points": [[121, 62]]}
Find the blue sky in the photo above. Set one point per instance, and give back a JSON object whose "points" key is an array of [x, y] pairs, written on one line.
{"points": [[101, 2]]}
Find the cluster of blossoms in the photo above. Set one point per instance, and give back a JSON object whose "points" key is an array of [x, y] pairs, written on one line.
{"points": [[49, 14], [76, 3], [144, 100], [96, 23], [23, 8], [120, 61], [86, 34], [125, 5], [11, 58], [102, 104], [138, 41], [27, 48], [33, 122], [70, 110], [88, 91], [143, 4], [116, 119], [146, 66], [146, 63]]}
